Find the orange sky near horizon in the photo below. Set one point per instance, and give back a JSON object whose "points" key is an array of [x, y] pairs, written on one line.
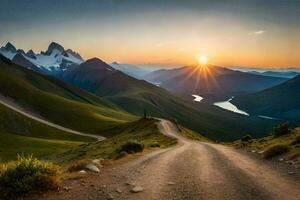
{"points": [[241, 33]]}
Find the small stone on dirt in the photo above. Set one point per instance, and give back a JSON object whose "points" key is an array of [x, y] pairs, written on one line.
{"points": [[137, 189], [281, 159], [97, 162], [129, 183], [291, 173], [67, 188], [290, 162], [253, 151], [92, 168], [82, 172], [171, 183], [118, 190]]}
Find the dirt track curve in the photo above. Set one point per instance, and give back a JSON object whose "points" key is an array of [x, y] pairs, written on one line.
{"points": [[10, 104]]}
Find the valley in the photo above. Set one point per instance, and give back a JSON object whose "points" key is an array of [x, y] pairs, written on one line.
{"points": [[113, 134], [149, 100]]}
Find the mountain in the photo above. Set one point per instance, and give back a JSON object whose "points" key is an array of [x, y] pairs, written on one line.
{"points": [[59, 102], [281, 101], [8, 51], [131, 70], [281, 74], [212, 82], [54, 60], [136, 96], [20, 59], [97, 77]]}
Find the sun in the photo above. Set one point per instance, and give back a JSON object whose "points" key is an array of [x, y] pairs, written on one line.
{"points": [[202, 60]]}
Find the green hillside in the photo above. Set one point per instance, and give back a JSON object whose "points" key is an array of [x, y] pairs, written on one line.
{"points": [[59, 102], [19, 134], [212, 122], [144, 131]]}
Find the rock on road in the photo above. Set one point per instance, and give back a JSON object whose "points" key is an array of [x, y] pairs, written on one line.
{"points": [[190, 170]]}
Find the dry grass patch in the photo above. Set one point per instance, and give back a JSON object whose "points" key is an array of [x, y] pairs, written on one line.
{"points": [[275, 150], [27, 174], [78, 166]]}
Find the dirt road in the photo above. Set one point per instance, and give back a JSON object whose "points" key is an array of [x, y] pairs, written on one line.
{"points": [[190, 170], [10, 104]]}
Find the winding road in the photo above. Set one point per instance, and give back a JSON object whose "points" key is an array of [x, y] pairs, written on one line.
{"points": [[10, 104], [190, 170]]}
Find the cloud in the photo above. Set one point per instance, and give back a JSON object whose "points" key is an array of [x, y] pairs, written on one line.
{"points": [[260, 32]]}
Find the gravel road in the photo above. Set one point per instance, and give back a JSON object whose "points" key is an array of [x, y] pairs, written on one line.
{"points": [[190, 170]]}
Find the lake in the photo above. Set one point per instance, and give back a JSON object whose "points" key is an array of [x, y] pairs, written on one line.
{"points": [[229, 106], [197, 98]]}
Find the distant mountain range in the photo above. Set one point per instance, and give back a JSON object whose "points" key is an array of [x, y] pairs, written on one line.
{"points": [[281, 74], [131, 70], [54, 60], [213, 83], [281, 101]]}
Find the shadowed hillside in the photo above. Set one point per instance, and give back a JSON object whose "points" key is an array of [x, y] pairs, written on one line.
{"points": [[135, 95], [282, 101]]}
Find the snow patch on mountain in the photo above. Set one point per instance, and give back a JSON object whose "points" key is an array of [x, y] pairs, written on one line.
{"points": [[53, 60], [8, 51], [8, 54]]}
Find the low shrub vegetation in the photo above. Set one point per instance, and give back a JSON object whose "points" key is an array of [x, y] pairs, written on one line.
{"points": [[296, 140], [155, 145], [281, 129], [26, 175], [275, 150], [246, 138], [132, 146]]}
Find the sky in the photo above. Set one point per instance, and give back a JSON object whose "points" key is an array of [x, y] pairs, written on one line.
{"points": [[244, 33]]}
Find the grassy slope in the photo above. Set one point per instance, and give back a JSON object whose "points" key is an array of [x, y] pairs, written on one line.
{"points": [[212, 122], [144, 131], [266, 142], [12, 145], [58, 102], [192, 134], [19, 134]]}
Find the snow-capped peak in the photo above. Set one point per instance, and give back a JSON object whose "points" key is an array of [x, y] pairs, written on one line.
{"points": [[8, 51], [54, 47], [55, 59], [31, 54], [10, 47], [73, 53]]}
